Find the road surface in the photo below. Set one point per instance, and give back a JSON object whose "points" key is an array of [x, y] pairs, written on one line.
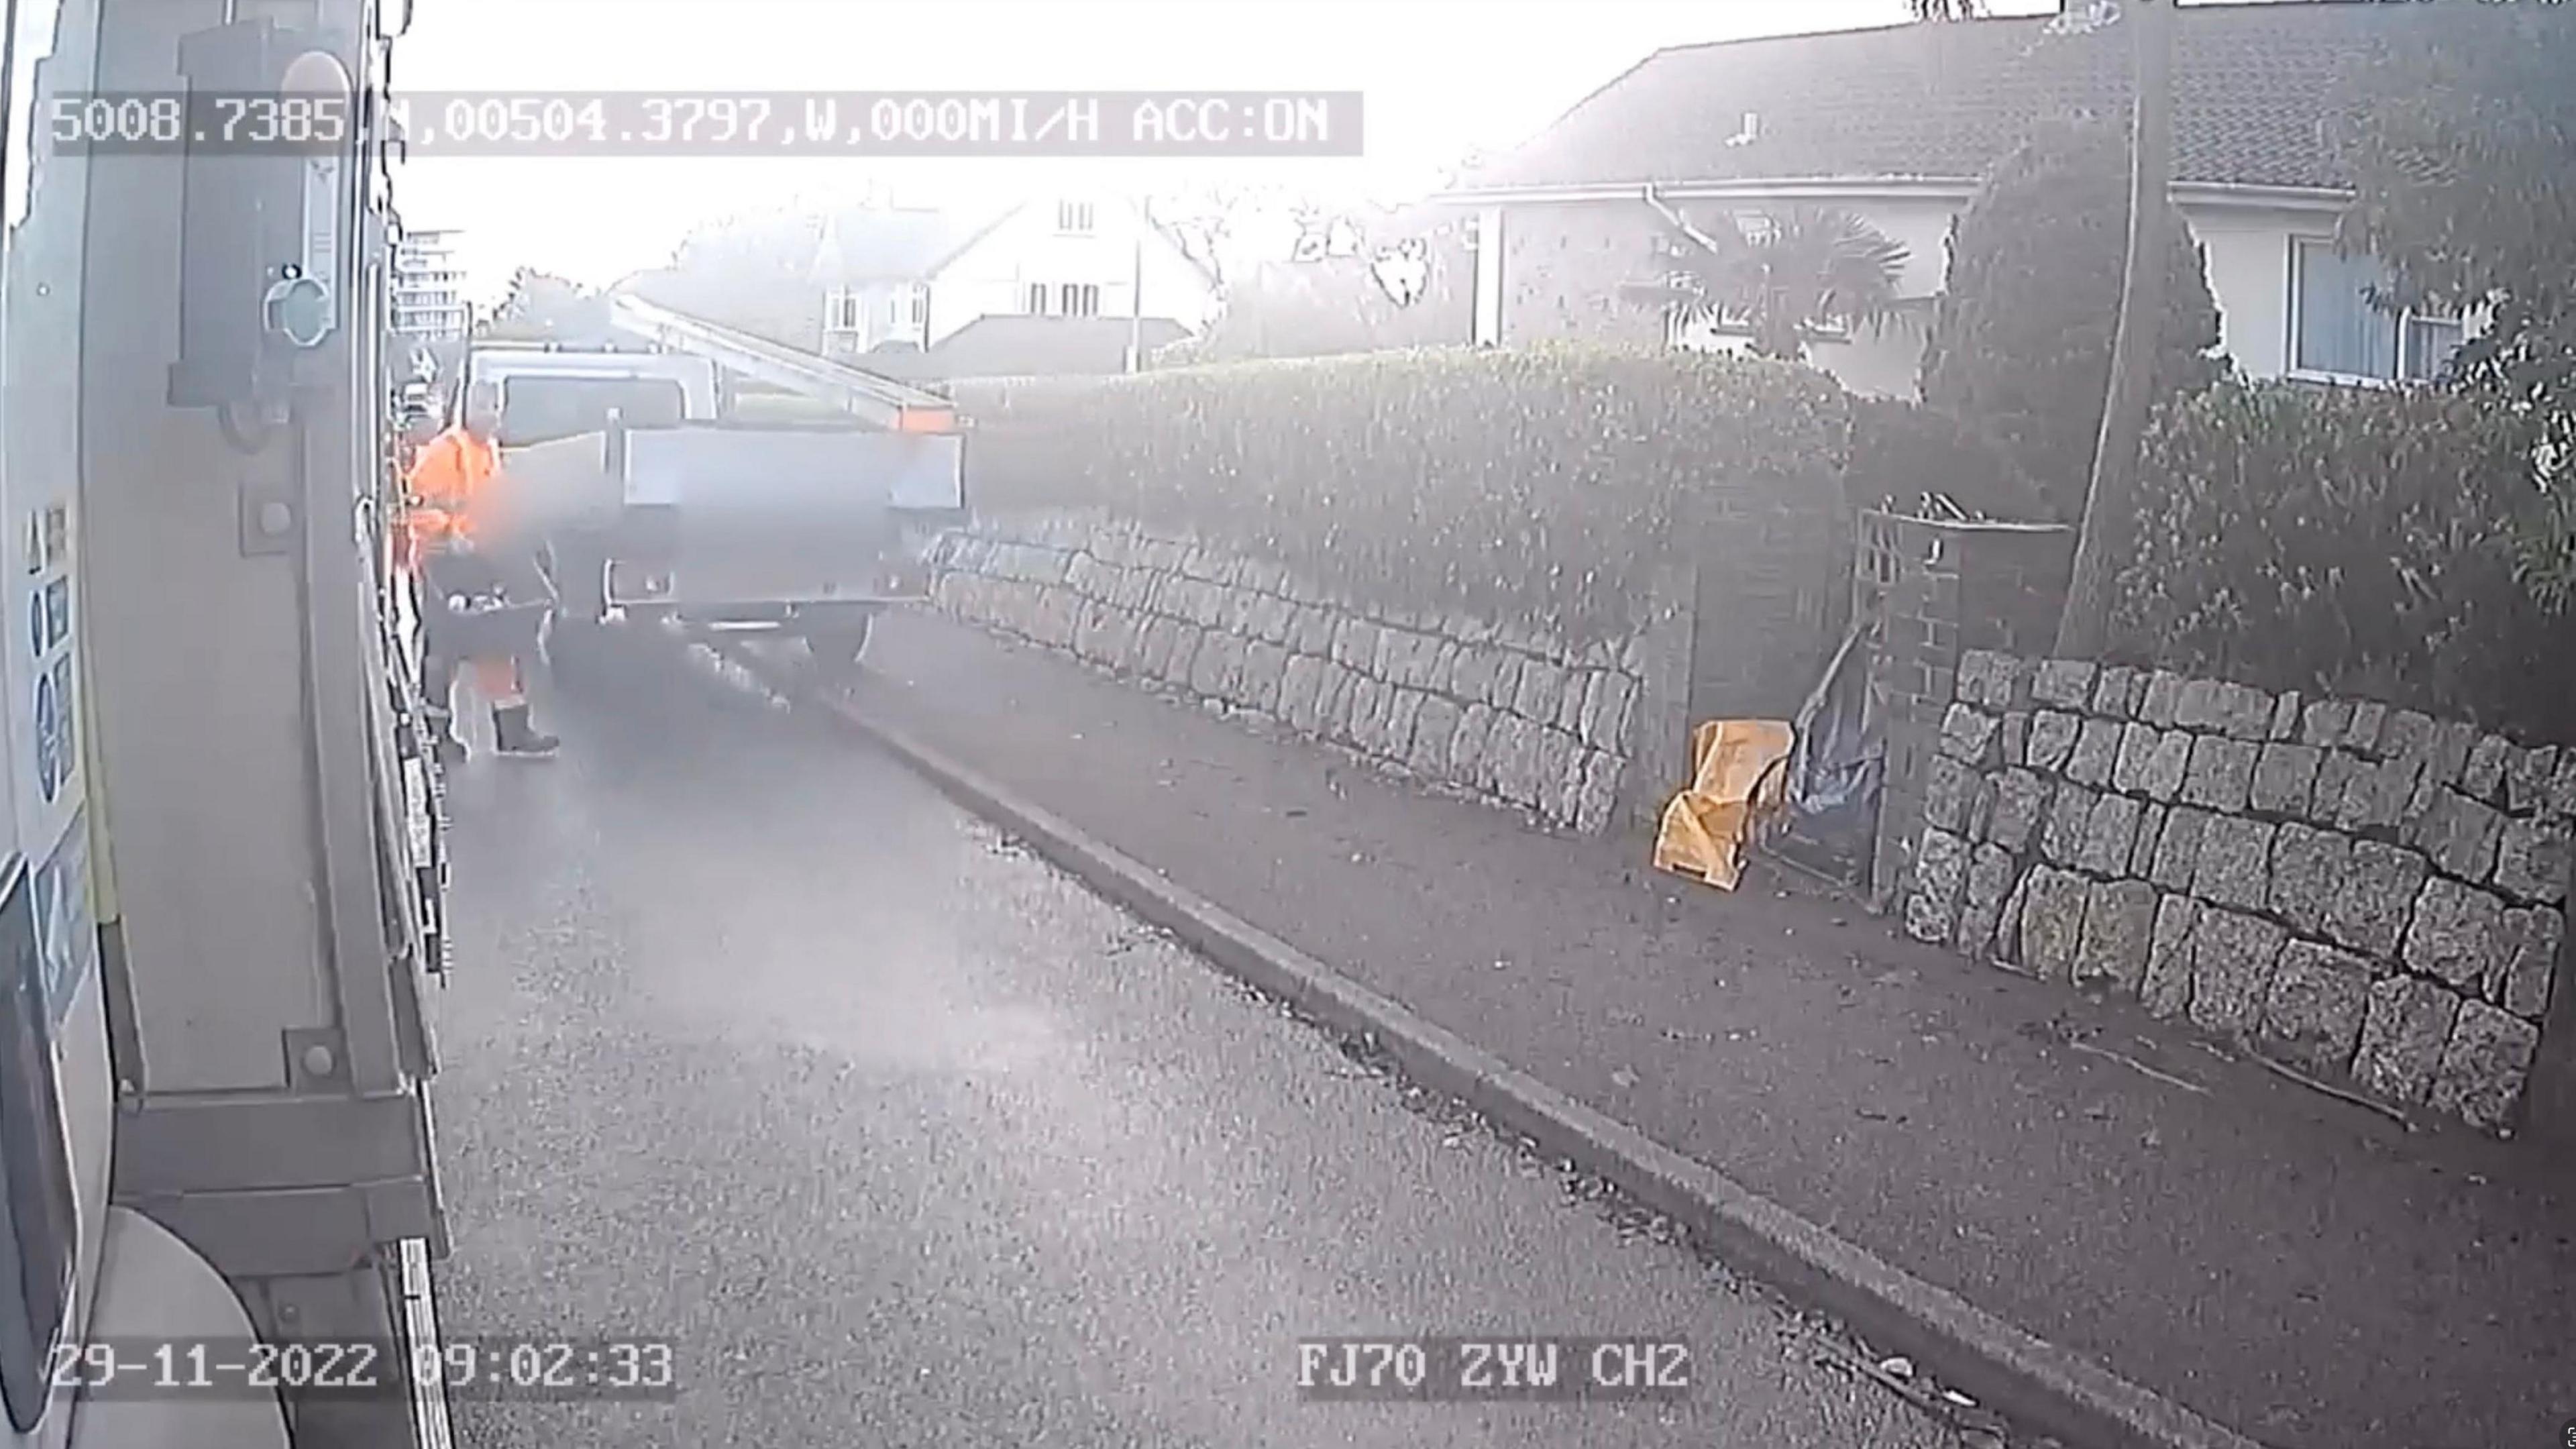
{"points": [[757, 1045]]}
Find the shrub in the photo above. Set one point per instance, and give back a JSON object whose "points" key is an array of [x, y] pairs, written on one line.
{"points": [[2337, 539], [2020, 347], [1534, 487], [1903, 453], [2461, 141], [1335, 305]]}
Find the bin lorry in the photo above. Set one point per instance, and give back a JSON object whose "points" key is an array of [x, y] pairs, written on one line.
{"points": [[657, 496], [221, 892]]}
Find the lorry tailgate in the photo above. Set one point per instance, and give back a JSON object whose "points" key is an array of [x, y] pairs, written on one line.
{"points": [[759, 515]]}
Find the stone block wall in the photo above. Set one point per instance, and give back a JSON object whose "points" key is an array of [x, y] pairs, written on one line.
{"points": [[1497, 712], [2367, 893]]}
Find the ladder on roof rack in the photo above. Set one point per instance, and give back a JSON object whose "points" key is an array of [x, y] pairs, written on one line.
{"points": [[880, 401]]}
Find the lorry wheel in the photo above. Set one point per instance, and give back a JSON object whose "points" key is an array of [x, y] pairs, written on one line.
{"points": [[837, 649], [572, 644]]}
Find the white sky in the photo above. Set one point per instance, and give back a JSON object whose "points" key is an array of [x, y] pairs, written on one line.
{"points": [[1439, 77]]}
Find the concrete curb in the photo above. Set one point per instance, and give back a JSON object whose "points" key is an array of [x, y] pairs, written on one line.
{"points": [[2012, 1372]]}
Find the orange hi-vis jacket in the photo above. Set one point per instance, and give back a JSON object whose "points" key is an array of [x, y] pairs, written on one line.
{"points": [[450, 483]]}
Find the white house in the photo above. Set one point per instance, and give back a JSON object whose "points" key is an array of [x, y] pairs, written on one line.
{"points": [[901, 280], [1898, 124]]}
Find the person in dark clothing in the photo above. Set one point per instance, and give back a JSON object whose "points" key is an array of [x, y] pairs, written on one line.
{"points": [[482, 592]]}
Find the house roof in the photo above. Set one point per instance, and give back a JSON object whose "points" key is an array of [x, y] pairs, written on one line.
{"points": [[872, 244], [1013, 346], [881, 244], [752, 273], [2253, 85]]}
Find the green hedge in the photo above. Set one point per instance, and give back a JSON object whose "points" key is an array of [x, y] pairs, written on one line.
{"points": [[2358, 541], [1536, 487], [2020, 343], [1902, 452]]}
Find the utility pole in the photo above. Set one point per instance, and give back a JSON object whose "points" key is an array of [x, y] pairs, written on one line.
{"points": [[1136, 289], [2110, 498]]}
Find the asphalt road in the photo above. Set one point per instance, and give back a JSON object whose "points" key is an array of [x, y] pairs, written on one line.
{"points": [[756, 1045]]}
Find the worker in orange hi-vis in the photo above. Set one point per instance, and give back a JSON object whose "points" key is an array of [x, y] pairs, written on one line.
{"points": [[483, 596]]}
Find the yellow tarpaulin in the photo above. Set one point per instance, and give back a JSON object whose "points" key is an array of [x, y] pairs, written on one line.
{"points": [[1736, 780]]}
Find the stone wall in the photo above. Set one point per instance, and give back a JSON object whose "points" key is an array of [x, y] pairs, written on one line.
{"points": [[1497, 712], [2367, 893]]}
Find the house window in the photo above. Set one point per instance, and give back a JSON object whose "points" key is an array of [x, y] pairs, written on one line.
{"points": [[2337, 332], [913, 307], [1074, 218], [1080, 300], [1035, 299], [2425, 345], [841, 311]]}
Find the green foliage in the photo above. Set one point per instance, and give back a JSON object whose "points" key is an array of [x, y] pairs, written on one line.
{"points": [[2020, 347], [1907, 458], [2545, 551], [2324, 539], [754, 273], [1535, 487], [1330, 304], [1799, 272], [2461, 138], [541, 307]]}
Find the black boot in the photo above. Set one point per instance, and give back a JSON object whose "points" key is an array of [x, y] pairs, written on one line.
{"points": [[513, 735]]}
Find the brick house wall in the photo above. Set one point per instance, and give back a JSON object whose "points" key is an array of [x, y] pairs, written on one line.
{"points": [[1563, 266]]}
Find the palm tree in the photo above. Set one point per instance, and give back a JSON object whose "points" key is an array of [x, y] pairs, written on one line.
{"points": [[1793, 277]]}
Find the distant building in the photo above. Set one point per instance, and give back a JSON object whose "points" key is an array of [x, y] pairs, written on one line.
{"points": [[429, 288], [1065, 284], [1025, 345], [915, 279], [1898, 125]]}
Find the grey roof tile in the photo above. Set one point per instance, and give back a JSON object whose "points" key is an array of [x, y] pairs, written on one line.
{"points": [[2253, 87]]}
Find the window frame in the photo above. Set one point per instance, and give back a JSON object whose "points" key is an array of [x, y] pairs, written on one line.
{"points": [[2399, 321], [549, 387], [1076, 218], [841, 312], [1078, 299]]}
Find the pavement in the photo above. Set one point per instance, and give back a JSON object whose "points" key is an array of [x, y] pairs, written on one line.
{"points": [[756, 1045], [2294, 1266]]}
